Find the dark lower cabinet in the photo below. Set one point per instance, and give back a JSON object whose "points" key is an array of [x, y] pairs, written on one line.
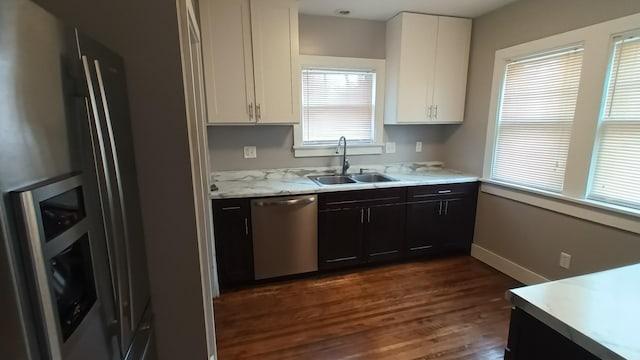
{"points": [[339, 238], [234, 245], [530, 339], [362, 226], [458, 220], [384, 232], [440, 218], [357, 227], [423, 227]]}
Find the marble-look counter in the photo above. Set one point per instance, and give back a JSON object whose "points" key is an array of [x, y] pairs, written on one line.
{"points": [[273, 182], [600, 311]]}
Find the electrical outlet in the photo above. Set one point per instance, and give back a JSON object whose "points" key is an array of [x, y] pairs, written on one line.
{"points": [[565, 260], [418, 146], [250, 152], [391, 147]]}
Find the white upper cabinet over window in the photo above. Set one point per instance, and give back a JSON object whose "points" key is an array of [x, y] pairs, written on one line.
{"points": [[251, 61], [427, 61]]}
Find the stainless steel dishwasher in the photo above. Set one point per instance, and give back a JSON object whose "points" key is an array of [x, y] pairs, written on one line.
{"points": [[285, 235]]}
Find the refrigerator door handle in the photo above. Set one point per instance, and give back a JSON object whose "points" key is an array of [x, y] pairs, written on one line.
{"points": [[114, 154], [125, 302], [105, 191]]}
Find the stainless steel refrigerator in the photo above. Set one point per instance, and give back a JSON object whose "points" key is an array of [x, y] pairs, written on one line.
{"points": [[73, 272]]}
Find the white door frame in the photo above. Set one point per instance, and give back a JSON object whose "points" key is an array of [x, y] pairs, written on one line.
{"points": [[193, 81]]}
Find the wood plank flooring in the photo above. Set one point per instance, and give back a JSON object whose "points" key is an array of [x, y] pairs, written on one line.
{"points": [[449, 308]]}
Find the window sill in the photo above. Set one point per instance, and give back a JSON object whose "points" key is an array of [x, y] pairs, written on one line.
{"points": [[330, 150], [595, 211]]}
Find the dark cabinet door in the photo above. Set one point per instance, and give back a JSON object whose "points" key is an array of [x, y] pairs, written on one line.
{"points": [[457, 221], [384, 232], [441, 218], [340, 237], [424, 227], [234, 247]]}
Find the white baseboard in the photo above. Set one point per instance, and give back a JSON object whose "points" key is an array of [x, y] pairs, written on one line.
{"points": [[506, 266]]}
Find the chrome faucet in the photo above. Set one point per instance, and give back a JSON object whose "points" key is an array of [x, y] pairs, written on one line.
{"points": [[345, 162]]}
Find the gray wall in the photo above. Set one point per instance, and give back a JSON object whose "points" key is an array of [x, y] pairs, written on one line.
{"points": [[533, 238], [274, 147], [336, 36], [145, 33], [329, 36], [530, 236]]}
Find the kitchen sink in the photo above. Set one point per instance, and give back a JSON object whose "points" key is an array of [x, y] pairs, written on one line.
{"points": [[332, 179], [371, 178], [350, 179]]}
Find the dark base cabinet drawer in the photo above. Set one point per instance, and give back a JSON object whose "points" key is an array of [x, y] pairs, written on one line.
{"points": [[361, 198], [427, 192]]}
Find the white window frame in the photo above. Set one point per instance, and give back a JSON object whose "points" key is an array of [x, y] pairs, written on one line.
{"points": [[589, 191], [597, 41], [572, 48], [344, 63]]}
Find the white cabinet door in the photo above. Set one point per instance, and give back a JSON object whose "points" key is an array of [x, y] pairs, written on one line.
{"points": [[274, 25], [427, 59], [228, 62], [417, 63], [452, 62], [250, 59]]}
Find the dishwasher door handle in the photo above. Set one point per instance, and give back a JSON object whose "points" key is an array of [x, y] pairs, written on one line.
{"points": [[302, 201]]}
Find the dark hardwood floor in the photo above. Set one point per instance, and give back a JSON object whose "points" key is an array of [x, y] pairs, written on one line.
{"points": [[450, 308]]}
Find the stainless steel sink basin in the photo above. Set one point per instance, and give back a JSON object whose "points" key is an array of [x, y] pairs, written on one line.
{"points": [[371, 178], [350, 179], [332, 179]]}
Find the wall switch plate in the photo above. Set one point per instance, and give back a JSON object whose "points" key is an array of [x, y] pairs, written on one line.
{"points": [[250, 152], [565, 260], [390, 148], [418, 146]]}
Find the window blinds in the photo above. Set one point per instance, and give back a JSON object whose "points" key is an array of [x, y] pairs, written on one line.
{"points": [[535, 118], [616, 174], [337, 103]]}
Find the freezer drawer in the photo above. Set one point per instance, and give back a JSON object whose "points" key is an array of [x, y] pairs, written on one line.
{"points": [[285, 235]]}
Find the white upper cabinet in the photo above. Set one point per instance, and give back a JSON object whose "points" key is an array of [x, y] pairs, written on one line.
{"points": [[251, 61], [427, 60]]}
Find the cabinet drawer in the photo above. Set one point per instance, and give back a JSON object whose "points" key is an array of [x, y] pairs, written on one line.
{"points": [[361, 198], [418, 193]]}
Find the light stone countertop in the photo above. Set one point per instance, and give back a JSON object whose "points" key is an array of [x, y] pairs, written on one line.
{"points": [[600, 311], [275, 182]]}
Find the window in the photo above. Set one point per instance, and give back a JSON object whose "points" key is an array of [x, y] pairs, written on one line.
{"points": [[616, 174], [563, 129], [340, 97], [337, 103], [535, 118]]}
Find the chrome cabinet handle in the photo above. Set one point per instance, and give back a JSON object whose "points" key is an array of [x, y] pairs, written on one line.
{"points": [[303, 201], [435, 112], [258, 112], [368, 215], [429, 113], [361, 216], [446, 207], [440, 209], [444, 191], [246, 226], [250, 111]]}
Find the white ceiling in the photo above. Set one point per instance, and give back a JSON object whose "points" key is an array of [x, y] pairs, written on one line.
{"points": [[385, 9]]}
